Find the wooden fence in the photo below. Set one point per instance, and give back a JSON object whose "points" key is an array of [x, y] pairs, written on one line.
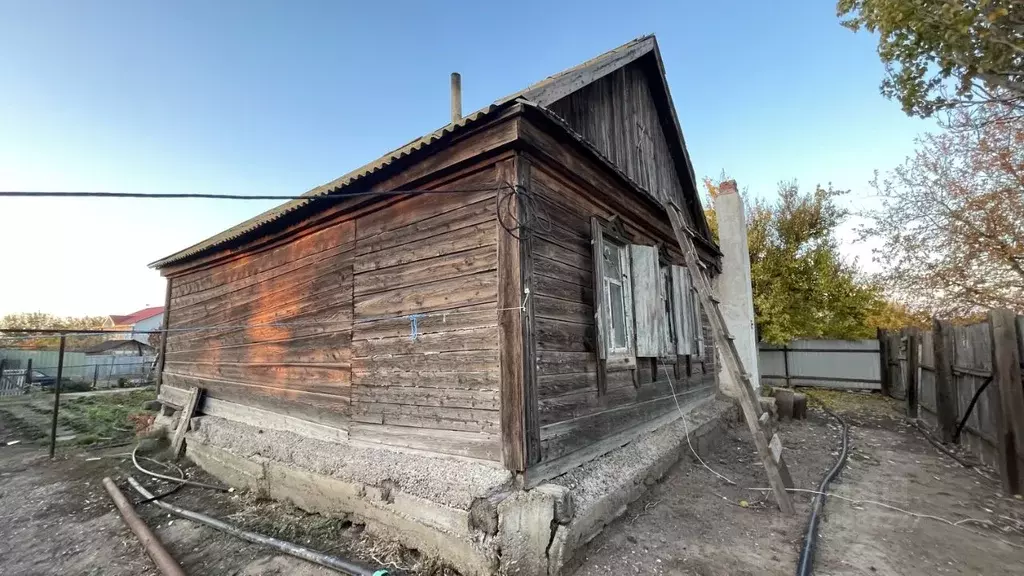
{"points": [[964, 382]]}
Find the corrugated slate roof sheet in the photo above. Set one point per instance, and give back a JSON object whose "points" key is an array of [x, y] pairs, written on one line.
{"points": [[383, 162], [331, 187]]}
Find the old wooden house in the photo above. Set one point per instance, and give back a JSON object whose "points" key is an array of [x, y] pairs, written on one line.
{"points": [[506, 289]]}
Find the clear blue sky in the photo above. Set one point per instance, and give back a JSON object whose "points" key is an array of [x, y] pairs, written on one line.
{"points": [[265, 97]]}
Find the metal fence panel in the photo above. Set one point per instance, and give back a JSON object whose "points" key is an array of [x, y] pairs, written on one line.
{"points": [[841, 364], [80, 366]]}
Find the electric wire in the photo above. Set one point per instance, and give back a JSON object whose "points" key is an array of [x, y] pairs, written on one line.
{"points": [[686, 430]]}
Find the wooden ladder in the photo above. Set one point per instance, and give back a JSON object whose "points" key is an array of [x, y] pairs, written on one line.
{"points": [[770, 451]]}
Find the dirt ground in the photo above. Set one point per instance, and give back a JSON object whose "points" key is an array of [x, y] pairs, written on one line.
{"points": [[55, 517], [692, 523]]}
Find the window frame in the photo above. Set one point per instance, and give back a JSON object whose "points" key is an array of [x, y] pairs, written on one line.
{"points": [[625, 293], [615, 358]]}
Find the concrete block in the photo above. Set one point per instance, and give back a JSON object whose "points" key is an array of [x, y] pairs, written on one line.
{"points": [[769, 405], [565, 506], [232, 470], [312, 492], [524, 531]]}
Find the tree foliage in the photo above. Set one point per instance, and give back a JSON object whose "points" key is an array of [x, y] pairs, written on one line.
{"points": [[42, 320], [951, 218], [942, 54], [802, 286]]}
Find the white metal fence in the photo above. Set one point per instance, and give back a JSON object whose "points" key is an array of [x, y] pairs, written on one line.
{"points": [[841, 364], [99, 368]]}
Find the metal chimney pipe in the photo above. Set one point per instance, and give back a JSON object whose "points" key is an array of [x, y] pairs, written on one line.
{"points": [[456, 97]]}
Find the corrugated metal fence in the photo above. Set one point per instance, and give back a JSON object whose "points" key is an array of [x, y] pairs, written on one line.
{"points": [[841, 364], [80, 366]]}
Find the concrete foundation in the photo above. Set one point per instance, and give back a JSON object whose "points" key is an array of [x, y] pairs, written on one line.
{"points": [[470, 513]]}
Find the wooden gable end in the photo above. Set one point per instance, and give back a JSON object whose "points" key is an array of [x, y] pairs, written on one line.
{"points": [[618, 115]]}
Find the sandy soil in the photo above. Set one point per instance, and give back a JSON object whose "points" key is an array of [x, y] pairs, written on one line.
{"points": [[692, 523]]}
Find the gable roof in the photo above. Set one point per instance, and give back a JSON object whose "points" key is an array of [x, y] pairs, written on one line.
{"points": [[136, 317], [542, 93]]}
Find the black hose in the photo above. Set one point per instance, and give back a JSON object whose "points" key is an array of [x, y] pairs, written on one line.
{"points": [[805, 567]]}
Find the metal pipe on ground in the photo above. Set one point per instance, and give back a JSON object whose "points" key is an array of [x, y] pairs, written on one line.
{"points": [[287, 547], [163, 559]]}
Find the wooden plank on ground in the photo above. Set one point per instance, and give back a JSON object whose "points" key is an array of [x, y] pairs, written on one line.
{"points": [[186, 416]]}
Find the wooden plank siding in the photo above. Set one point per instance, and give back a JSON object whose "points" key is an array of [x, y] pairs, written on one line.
{"points": [[317, 324], [617, 114], [425, 339], [271, 329], [572, 414]]}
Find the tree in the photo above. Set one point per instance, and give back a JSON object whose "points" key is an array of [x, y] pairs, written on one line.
{"points": [[42, 320], [951, 218], [943, 54], [802, 287]]}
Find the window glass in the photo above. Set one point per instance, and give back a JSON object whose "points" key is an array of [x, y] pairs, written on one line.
{"points": [[618, 318], [612, 264]]}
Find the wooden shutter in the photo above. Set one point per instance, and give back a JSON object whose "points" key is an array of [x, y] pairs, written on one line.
{"points": [[647, 310], [597, 253], [681, 303]]}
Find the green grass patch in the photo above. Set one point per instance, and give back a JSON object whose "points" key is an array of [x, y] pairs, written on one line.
{"points": [[104, 417]]}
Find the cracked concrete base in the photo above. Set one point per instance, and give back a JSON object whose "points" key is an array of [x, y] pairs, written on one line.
{"points": [[469, 514]]}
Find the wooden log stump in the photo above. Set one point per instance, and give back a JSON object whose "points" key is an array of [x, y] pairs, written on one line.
{"points": [[784, 402], [799, 406]]}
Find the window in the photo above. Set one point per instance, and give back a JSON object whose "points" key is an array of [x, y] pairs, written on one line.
{"points": [[644, 307], [613, 295]]}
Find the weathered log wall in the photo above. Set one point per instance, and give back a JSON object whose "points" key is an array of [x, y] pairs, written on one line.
{"points": [[381, 322], [570, 412]]}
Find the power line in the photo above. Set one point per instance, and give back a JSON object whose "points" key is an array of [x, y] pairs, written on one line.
{"points": [[158, 196], [347, 325]]}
